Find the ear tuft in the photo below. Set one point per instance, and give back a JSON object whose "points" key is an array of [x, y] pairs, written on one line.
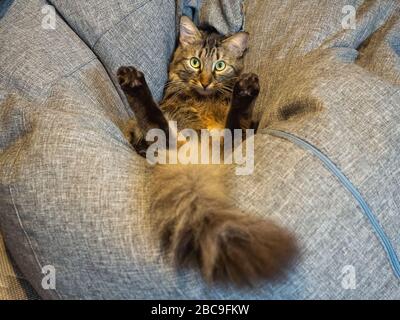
{"points": [[237, 43], [188, 33]]}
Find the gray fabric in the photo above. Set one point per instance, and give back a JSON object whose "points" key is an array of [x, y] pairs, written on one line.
{"points": [[4, 5], [60, 113], [136, 32], [346, 104], [73, 192], [225, 15]]}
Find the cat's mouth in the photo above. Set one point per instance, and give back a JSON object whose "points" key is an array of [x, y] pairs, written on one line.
{"points": [[204, 91]]}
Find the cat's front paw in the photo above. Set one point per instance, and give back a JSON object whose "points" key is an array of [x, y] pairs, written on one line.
{"points": [[247, 86], [131, 80]]}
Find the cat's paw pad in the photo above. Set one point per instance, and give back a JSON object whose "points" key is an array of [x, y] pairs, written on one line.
{"points": [[247, 86], [129, 78]]}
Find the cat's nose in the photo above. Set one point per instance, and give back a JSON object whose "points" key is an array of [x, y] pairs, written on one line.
{"points": [[205, 84], [205, 81]]}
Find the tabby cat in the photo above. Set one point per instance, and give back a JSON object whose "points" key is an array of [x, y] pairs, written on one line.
{"points": [[196, 221]]}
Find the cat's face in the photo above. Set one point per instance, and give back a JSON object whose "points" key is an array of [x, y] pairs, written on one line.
{"points": [[204, 63]]}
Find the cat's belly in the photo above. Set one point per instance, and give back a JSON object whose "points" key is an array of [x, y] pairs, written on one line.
{"points": [[197, 115]]}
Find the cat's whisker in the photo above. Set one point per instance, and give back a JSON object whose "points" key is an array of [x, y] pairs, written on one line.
{"points": [[227, 89], [170, 84]]}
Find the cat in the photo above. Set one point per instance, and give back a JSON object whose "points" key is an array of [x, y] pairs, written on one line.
{"points": [[192, 213]]}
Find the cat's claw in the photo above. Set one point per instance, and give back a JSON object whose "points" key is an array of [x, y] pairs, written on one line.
{"points": [[130, 79], [247, 86]]}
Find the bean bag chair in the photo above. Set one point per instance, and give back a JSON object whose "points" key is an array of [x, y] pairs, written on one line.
{"points": [[74, 194]]}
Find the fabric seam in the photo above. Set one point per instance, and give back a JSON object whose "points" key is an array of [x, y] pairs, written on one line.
{"points": [[117, 23], [26, 234], [348, 185]]}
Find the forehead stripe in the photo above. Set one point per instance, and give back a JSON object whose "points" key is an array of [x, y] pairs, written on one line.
{"points": [[213, 51]]}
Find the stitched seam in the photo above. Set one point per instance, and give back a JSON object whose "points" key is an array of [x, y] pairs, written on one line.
{"points": [[22, 227], [117, 23], [71, 73], [349, 186], [26, 234]]}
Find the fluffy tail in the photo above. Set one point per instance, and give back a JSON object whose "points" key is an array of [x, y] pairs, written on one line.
{"points": [[199, 226]]}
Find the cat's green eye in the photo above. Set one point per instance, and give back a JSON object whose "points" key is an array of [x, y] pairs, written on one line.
{"points": [[220, 65], [195, 63]]}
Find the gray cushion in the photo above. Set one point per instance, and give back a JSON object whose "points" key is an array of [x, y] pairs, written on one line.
{"points": [[136, 32], [73, 192]]}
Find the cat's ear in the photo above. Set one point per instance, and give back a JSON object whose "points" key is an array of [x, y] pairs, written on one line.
{"points": [[188, 32], [237, 43]]}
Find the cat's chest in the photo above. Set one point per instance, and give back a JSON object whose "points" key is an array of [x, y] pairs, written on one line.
{"points": [[195, 114]]}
